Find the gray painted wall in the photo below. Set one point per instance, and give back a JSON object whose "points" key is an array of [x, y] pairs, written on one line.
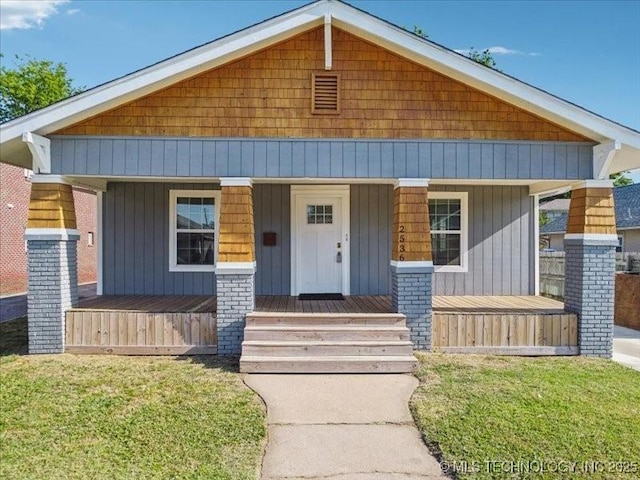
{"points": [[272, 213], [136, 242], [371, 219], [500, 236], [371, 211], [321, 158]]}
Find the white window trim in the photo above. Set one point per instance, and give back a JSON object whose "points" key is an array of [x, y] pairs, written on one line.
{"points": [[464, 230], [173, 256]]}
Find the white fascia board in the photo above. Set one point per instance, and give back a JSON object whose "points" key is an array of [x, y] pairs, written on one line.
{"points": [[168, 72], [485, 79]]}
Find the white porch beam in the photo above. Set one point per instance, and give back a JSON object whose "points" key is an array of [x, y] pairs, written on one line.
{"points": [[603, 158], [549, 188], [40, 148], [328, 52]]}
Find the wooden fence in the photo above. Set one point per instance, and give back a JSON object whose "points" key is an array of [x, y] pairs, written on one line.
{"points": [[552, 270]]}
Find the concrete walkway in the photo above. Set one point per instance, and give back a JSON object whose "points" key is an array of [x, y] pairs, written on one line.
{"points": [[342, 427], [626, 346]]}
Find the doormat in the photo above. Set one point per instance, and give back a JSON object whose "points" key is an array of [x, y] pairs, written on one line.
{"points": [[320, 296]]}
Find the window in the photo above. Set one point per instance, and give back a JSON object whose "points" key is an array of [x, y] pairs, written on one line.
{"points": [[319, 214], [90, 239], [449, 231], [193, 234], [620, 243]]}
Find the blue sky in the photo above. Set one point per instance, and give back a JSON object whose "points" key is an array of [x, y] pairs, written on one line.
{"points": [[586, 52]]}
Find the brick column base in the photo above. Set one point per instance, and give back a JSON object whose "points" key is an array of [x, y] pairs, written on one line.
{"points": [[236, 297], [411, 295], [53, 287], [589, 292]]}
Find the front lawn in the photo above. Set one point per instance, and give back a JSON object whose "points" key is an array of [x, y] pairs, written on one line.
{"points": [[506, 417], [110, 417]]}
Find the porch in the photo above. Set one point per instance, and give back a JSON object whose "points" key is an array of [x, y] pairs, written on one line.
{"points": [[174, 325]]}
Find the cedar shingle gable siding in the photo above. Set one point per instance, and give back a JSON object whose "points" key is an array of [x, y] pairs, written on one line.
{"points": [[268, 94]]}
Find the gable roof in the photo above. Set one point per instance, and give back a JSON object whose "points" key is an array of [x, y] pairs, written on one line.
{"points": [[277, 29], [627, 205]]}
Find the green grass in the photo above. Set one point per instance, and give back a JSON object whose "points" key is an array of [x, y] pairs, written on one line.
{"points": [[110, 417], [529, 413]]}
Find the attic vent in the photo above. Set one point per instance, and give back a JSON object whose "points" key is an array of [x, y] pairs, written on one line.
{"points": [[325, 93]]}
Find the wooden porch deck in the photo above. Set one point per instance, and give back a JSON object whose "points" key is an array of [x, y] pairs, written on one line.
{"points": [[351, 304], [148, 325]]}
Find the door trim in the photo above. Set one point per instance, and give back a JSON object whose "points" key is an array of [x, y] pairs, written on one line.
{"points": [[342, 191]]}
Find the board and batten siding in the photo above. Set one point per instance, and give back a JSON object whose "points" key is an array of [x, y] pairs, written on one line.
{"points": [[500, 241], [370, 241], [272, 213], [136, 236], [319, 158], [371, 208], [136, 242]]}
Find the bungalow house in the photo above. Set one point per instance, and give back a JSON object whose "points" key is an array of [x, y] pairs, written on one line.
{"points": [[322, 191], [627, 209]]}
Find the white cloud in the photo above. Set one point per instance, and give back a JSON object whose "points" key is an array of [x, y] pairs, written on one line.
{"points": [[498, 50], [73, 11], [24, 14]]}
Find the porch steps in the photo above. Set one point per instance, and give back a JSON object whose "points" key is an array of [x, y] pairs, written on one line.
{"points": [[276, 342]]}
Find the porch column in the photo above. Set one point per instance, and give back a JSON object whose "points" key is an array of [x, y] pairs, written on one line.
{"points": [[411, 261], [52, 238], [590, 245], [236, 263]]}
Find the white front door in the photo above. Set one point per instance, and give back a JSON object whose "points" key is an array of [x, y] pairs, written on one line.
{"points": [[320, 241]]}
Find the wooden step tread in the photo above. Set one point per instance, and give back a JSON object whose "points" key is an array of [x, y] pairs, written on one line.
{"points": [[332, 358], [322, 327], [258, 314], [358, 343], [314, 321]]}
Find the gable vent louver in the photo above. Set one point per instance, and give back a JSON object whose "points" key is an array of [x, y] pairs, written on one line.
{"points": [[325, 93]]}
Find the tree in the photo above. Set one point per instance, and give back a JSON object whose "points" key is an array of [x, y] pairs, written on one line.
{"points": [[31, 85], [543, 218], [485, 58], [418, 31], [620, 179]]}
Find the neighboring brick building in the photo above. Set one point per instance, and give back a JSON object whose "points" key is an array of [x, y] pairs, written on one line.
{"points": [[15, 188]]}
